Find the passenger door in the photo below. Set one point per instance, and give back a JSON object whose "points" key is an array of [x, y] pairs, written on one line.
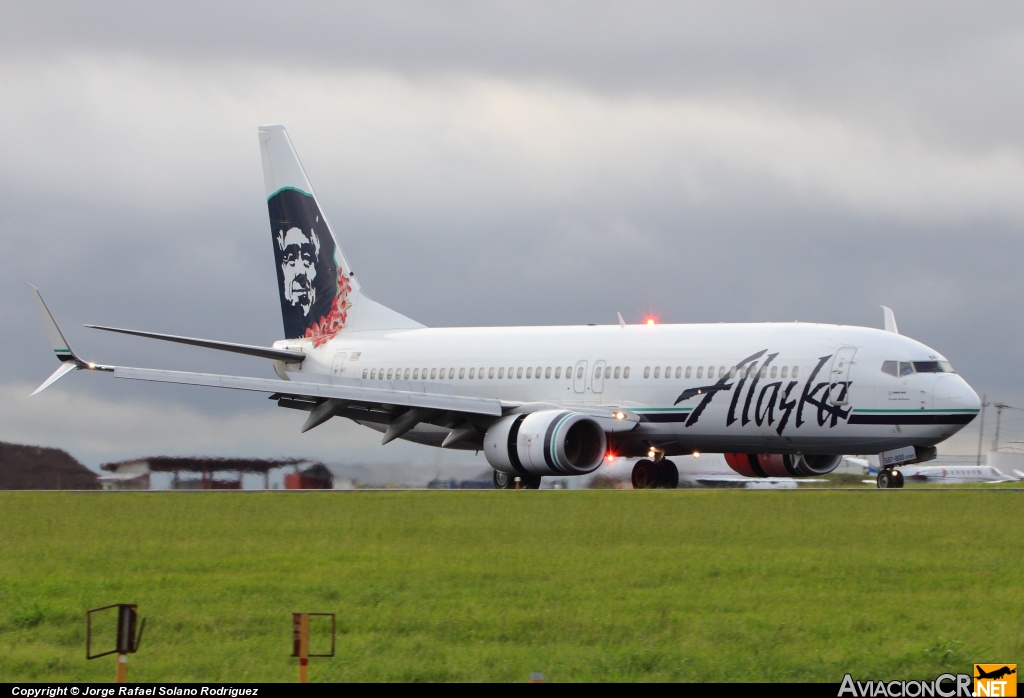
{"points": [[579, 377], [840, 394], [338, 365], [597, 385]]}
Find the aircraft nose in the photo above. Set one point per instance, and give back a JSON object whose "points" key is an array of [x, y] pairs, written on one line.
{"points": [[952, 393]]}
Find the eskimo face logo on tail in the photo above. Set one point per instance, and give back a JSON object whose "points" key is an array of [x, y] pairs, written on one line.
{"points": [[314, 288], [300, 252]]}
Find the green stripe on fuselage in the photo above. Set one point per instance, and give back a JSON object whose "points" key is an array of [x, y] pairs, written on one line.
{"points": [[660, 409], [912, 410]]}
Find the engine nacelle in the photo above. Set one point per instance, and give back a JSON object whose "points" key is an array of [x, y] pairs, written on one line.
{"points": [[781, 464], [550, 442]]}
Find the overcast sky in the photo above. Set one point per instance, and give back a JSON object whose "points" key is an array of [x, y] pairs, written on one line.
{"points": [[497, 164]]}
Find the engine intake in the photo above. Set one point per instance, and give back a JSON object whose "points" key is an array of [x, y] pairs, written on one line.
{"points": [[549, 442], [781, 464]]}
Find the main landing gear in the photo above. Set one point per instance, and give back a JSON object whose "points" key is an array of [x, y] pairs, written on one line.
{"points": [[889, 479], [504, 481], [649, 475]]}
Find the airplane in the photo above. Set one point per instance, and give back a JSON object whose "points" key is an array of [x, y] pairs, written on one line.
{"points": [[996, 673], [950, 474], [778, 399]]}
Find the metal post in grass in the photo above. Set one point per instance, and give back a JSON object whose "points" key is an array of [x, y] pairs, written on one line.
{"points": [[300, 641], [126, 641]]}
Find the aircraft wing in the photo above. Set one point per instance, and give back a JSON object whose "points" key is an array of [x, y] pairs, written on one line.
{"points": [[350, 391], [400, 405]]}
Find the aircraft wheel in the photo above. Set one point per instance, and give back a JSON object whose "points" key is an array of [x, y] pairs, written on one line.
{"points": [[503, 481], [885, 480], [645, 475], [668, 474], [529, 482], [897, 479]]}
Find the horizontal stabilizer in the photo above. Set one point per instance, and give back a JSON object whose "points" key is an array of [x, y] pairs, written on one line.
{"points": [[287, 356]]}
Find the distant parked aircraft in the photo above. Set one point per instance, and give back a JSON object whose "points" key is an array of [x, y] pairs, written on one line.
{"points": [[950, 474]]}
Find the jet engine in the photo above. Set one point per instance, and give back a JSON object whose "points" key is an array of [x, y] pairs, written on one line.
{"points": [[781, 464], [549, 442]]}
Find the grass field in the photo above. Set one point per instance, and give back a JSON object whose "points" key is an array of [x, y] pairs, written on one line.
{"points": [[697, 585]]}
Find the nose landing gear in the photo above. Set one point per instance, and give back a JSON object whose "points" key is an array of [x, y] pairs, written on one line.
{"points": [[505, 481], [889, 479]]}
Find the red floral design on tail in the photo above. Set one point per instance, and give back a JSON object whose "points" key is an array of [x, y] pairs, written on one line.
{"points": [[334, 321]]}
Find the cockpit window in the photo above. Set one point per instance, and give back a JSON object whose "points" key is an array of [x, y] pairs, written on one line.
{"points": [[933, 367], [907, 368]]}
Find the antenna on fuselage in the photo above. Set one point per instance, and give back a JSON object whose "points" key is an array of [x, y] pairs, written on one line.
{"points": [[890, 320]]}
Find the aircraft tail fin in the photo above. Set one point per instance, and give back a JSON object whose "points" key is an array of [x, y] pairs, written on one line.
{"points": [[320, 295]]}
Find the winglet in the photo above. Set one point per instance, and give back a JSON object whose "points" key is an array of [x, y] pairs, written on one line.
{"points": [[890, 320], [66, 367], [622, 323], [61, 348]]}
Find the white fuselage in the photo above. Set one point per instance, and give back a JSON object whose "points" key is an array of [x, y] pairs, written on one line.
{"points": [[755, 388]]}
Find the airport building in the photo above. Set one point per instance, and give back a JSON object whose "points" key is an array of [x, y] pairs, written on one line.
{"points": [[211, 473]]}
